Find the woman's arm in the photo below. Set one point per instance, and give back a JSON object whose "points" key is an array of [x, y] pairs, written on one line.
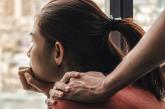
{"points": [[146, 55]]}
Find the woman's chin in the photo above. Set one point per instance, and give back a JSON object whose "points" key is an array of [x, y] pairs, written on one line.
{"points": [[37, 75]]}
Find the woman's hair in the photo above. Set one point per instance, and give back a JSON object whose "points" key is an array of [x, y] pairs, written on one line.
{"points": [[83, 29]]}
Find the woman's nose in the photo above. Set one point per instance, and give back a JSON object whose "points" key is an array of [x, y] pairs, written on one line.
{"points": [[28, 52]]}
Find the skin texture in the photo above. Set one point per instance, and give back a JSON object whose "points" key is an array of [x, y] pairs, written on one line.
{"points": [[136, 64], [34, 78], [48, 65]]}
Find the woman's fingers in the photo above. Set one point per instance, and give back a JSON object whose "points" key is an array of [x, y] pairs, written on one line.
{"points": [[27, 81], [86, 88], [33, 82], [24, 83], [69, 75], [21, 68], [55, 93], [61, 86], [50, 102]]}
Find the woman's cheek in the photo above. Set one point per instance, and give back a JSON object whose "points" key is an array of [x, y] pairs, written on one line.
{"points": [[41, 65], [36, 62]]}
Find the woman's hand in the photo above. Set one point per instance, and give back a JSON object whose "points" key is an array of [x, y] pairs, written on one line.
{"points": [[82, 87], [28, 81]]}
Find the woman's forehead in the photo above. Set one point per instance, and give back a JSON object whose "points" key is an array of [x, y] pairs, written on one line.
{"points": [[35, 29]]}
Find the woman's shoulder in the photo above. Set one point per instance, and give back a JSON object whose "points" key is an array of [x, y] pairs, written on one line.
{"points": [[67, 104], [128, 98], [135, 98]]}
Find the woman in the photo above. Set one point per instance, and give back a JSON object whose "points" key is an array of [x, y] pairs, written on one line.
{"points": [[72, 35], [142, 63]]}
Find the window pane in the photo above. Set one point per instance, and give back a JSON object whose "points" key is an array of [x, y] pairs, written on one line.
{"points": [[146, 11], [16, 19], [101, 4]]}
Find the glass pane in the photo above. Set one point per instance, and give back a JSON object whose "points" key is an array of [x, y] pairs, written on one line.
{"points": [[101, 4], [16, 19], [146, 11]]}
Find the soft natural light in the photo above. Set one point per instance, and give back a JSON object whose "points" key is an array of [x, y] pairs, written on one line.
{"points": [[16, 21]]}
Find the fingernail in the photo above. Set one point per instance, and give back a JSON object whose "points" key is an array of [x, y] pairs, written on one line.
{"points": [[49, 102], [54, 102], [61, 94], [76, 74], [67, 88], [27, 76]]}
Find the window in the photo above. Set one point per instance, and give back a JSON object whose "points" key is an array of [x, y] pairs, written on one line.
{"points": [[146, 11], [14, 42]]}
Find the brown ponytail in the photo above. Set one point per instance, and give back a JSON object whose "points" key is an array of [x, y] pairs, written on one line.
{"points": [[131, 31], [153, 81]]}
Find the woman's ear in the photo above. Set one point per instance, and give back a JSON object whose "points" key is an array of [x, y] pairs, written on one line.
{"points": [[59, 53]]}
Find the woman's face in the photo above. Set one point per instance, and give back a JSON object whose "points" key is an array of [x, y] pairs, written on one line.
{"points": [[41, 59]]}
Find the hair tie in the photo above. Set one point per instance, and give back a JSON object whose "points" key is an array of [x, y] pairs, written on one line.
{"points": [[115, 19], [113, 22]]}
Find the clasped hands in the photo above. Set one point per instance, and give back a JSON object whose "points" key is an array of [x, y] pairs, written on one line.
{"points": [[84, 87]]}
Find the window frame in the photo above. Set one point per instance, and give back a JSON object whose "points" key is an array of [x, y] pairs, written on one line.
{"points": [[123, 9]]}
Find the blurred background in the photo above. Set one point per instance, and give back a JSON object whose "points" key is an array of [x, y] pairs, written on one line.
{"points": [[16, 21]]}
